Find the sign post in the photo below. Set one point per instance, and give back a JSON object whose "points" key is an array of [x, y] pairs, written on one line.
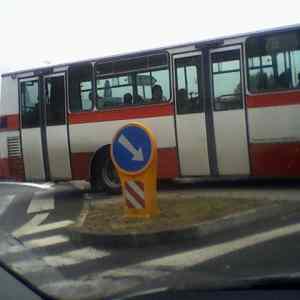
{"points": [[134, 154]]}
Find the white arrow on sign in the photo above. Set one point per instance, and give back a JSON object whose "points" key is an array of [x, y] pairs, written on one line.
{"points": [[137, 155]]}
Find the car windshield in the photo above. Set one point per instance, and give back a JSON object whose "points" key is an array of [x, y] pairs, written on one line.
{"points": [[148, 147]]}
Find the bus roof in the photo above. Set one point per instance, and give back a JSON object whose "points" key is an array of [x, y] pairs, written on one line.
{"points": [[158, 50]]}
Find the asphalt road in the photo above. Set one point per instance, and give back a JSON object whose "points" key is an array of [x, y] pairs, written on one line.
{"points": [[43, 253]]}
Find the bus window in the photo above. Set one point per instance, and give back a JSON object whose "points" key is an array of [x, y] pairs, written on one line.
{"points": [[143, 80], [55, 100], [114, 91], [226, 72], [153, 86], [30, 104], [80, 88], [188, 95], [274, 62]]}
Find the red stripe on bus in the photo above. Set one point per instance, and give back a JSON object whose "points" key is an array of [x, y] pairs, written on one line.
{"points": [[123, 113], [9, 122], [12, 168], [80, 164], [135, 195], [4, 168], [278, 99], [275, 159], [167, 164]]}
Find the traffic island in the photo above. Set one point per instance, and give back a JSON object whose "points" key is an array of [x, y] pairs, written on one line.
{"points": [[180, 219]]}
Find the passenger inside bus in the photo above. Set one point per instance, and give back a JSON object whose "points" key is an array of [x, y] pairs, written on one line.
{"points": [[157, 93], [186, 104], [127, 99], [285, 79], [262, 81], [298, 85], [139, 99]]}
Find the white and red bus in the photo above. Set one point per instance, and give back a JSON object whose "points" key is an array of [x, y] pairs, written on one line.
{"points": [[223, 107]]}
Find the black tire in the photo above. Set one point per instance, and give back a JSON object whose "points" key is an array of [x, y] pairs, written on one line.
{"points": [[105, 176], [96, 183]]}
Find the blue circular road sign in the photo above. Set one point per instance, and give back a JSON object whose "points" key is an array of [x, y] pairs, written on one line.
{"points": [[132, 148]]}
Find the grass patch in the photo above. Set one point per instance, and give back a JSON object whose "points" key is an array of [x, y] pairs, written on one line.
{"points": [[175, 213]]}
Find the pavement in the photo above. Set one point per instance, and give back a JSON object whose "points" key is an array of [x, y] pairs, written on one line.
{"points": [[43, 253]]}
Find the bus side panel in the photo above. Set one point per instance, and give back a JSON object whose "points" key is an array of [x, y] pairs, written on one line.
{"points": [[274, 130], [11, 161], [87, 138]]}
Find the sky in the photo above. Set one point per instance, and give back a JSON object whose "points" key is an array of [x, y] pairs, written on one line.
{"points": [[38, 32]]}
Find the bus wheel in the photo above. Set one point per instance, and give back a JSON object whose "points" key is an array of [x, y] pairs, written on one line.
{"points": [[109, 177]]}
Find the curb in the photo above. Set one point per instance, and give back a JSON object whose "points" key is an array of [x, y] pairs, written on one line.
{"points": [[193, 232]]}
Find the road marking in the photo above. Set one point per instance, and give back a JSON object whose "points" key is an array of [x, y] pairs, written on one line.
{"points": [[135, 271], [67, 258], [47, 241], [75, 257], [137, 155], [31, 225], [35, 243], [126, 278], [10, 249], [39, 204], [29, 265], [5, 201], [47, 227], [190, 258]]}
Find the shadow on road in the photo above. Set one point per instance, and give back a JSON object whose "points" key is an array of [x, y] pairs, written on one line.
{"points": [[277, 184], [269, 183]]}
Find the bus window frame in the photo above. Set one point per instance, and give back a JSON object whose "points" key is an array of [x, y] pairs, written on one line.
{"points": [[200, 78], [246, 66], [68, 86], [20, 81], [243, 77], [135, 71]]}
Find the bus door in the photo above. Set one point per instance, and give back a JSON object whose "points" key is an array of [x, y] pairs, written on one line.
{"points": [[43, 128], [228, 111], [31, 129], [190, 116], [54, 88], [210, 112]]}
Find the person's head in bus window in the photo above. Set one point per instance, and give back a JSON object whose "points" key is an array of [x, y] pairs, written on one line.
{"points": [[127, 99], [262, 81], [138, 99], [157, 93], [182, 96], [285, 78], [298, 85]]}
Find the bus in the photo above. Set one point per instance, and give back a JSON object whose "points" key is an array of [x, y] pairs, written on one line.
{"points": [[225, 107]]}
